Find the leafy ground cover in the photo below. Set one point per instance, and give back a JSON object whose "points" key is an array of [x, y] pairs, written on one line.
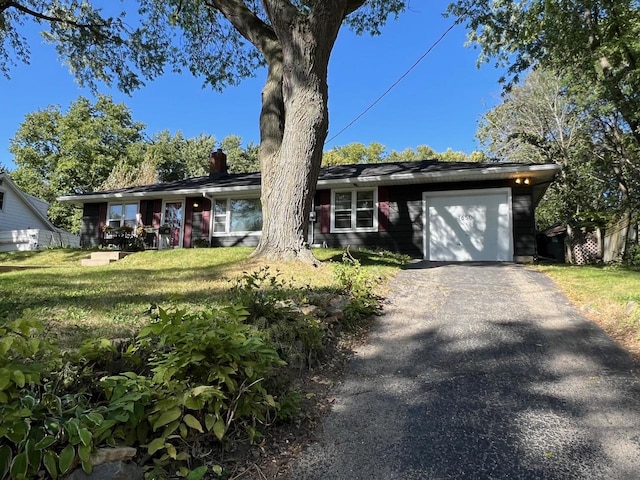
{"points": [[608, 295], [176, 353]]}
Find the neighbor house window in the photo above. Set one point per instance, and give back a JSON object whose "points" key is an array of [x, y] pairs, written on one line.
{"points": [[1, 200], [237, 215], [121, 214], [354, 210]]}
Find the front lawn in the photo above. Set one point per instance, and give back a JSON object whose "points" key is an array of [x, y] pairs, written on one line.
{"points": [[88, 360], [608, 295], [114, 300]]}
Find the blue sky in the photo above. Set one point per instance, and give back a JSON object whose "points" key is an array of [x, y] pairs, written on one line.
{"points": [[437, 104]]}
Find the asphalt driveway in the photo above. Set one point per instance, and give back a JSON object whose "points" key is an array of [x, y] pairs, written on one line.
{"points": [[481, 372]]}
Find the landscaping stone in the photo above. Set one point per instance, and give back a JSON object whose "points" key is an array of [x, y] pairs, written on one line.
{"points": [[118, 470]]}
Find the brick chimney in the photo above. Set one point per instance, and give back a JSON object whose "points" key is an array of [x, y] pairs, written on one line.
{"points": [[217, 163]]}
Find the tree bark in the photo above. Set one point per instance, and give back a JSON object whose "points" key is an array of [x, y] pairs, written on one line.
{"points": [[294, 121], [290, 172]]}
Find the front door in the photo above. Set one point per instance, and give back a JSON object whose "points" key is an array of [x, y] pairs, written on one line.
{"points": [[173, 217]]}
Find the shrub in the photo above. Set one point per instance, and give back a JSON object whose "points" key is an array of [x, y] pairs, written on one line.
{"points": [[199, 376]]}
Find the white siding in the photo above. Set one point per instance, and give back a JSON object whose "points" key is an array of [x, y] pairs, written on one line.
{"points": [[34, 239], [16, 215]]}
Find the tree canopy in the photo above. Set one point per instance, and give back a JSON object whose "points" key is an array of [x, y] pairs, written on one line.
{"points": [[223, 41], [597, 42]]}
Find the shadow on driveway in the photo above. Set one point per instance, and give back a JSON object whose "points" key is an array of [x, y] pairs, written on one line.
{"points": [[481, 373]]}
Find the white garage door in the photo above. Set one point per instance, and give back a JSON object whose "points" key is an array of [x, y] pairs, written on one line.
{"points": [[468, 225]]}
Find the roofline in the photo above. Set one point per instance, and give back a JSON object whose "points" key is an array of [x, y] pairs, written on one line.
{"points": [[23, 196], [537, 171], [542, 171]]}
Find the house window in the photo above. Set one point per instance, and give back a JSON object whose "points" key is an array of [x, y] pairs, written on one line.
{"points": [[354, 210], [121, 214], [1, 200], [237, 215]]}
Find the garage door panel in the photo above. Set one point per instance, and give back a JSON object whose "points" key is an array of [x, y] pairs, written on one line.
{"points": [[469, 226]]}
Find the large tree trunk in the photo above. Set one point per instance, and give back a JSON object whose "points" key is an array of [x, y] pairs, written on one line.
{"points": [[290, 173]]}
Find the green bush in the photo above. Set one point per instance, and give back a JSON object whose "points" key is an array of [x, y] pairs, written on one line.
{"points": [[199, 375], [273, 307], [354, 282]]}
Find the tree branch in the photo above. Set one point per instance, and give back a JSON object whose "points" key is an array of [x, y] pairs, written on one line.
{"points": [[246, 22], [41, 16]]}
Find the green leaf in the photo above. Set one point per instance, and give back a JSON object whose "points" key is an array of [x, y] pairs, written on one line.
{"points": [[84, 452], [5, 378], [155, 445], [209, 421], [6, 455], [193, 422], [67, 457], [46, 442], [219, 429], [50, 463], [18, 378], [19, 466], [217, 469], [197, 473], [87, 467], [85, 437], [167, 417]]}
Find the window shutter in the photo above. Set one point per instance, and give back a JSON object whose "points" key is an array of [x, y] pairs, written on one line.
{"points": [[188, 223], [383, 209], [102, 219], [325, 210], [206, 216], [157, 213]]}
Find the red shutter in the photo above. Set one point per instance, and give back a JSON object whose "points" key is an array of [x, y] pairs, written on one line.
{"points": [[383, 209], [325, 210], [206, 216], [188, 223], [157, 213]]}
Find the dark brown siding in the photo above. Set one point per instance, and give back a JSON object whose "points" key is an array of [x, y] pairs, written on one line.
{"points": [[235, 241], [94, 216], [383, 209], [404, 223], [524, 225]]}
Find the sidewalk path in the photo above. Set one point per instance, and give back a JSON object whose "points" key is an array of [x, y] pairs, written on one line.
{"points": [[481, 372]]}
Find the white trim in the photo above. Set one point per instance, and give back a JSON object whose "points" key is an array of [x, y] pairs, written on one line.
{"points": [[461, 193], [354, 228], [182, 223], [227, 226], [123, 203]]}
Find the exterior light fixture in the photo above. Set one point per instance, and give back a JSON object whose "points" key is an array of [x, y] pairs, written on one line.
{"points": [[518, 181], [526, 181], [196, 204]]}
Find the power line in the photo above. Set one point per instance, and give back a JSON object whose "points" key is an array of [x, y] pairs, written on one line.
{"points": [[377, 100]]}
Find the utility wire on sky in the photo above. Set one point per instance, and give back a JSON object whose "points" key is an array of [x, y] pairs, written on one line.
{"points": [[377, 100]]}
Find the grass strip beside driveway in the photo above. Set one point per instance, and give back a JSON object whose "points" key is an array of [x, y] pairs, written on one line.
{"points": [[608, 295]]}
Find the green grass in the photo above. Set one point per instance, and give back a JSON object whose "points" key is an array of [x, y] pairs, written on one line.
{"points": [[114, 300], [604, 293]]}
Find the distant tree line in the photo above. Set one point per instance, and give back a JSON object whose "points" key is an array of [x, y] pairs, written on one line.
{"points": [[98, 146]]}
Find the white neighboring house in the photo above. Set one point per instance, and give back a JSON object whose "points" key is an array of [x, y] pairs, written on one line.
{"points": [[24, 224]]}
